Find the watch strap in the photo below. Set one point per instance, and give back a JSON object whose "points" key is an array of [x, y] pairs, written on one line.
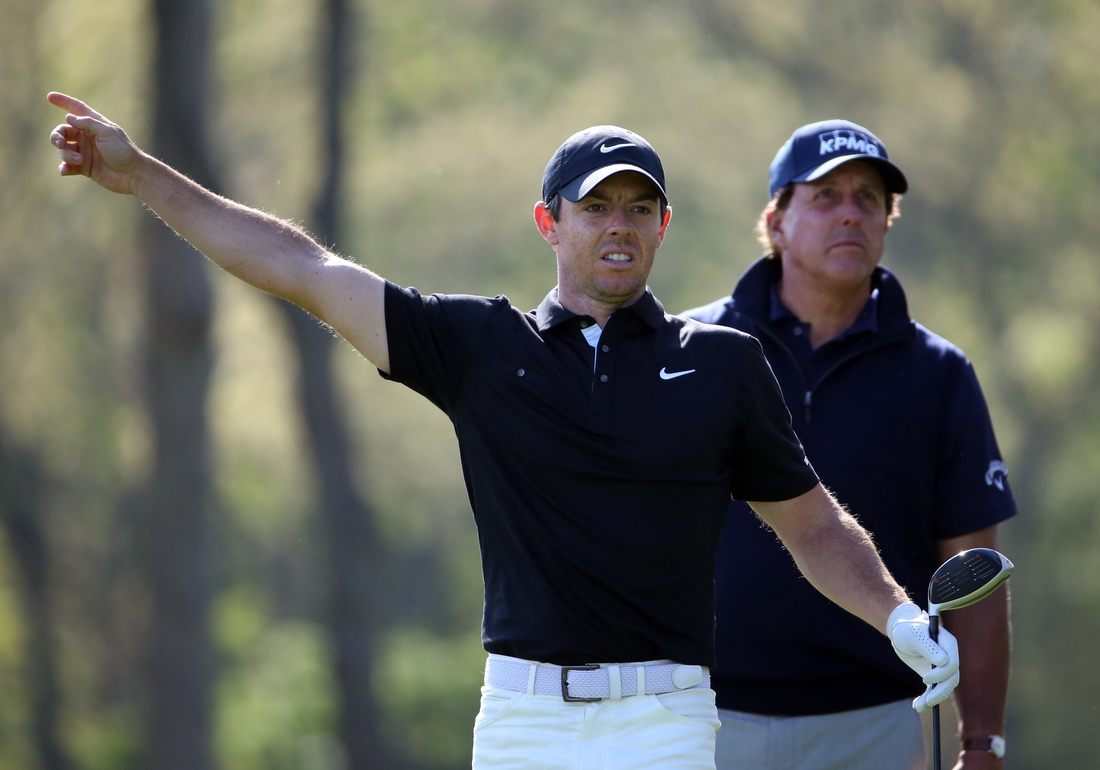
{"points": [[994, 744]]}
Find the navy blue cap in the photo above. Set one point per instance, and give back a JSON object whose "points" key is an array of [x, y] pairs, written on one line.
{"points": [[588, 157], [817, 148]]}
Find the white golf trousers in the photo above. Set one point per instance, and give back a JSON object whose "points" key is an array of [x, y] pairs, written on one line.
{"points": [[523, 731]]}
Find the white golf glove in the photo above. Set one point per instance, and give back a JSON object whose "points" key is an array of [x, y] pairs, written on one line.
{"points": [[937, 663]]}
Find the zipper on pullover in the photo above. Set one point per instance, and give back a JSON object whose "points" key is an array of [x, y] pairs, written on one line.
{"points": [[808, 397]]}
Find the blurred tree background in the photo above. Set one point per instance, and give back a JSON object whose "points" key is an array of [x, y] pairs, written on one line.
{"points": [[447, 112]]}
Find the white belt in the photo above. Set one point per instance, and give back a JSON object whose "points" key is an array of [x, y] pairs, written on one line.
{"points": [[595, 681]]}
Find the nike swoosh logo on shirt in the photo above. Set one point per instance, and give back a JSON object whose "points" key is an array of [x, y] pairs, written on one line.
{"points": [[605, 148], [665, 375]]}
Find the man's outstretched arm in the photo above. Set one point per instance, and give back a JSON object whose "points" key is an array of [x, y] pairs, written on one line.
{"points": [[268, 253], [835, 554], [839, 558]]}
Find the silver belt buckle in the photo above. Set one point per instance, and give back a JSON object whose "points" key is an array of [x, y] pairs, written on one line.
{"points": [[565, 696]]}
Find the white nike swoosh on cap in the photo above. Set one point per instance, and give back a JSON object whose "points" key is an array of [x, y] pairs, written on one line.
{"points": [[605, 148], [666, 375]]}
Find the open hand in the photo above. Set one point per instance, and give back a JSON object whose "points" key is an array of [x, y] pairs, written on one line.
{"points": [[92, 146]]}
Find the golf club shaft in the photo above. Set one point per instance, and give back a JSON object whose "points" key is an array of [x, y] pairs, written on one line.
{"points": [[967, 577], [934, 632]]}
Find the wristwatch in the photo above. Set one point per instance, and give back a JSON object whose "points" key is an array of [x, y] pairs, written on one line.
{"points": [[994, 744]]}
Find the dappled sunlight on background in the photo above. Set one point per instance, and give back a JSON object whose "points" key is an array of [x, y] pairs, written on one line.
{"points": [[455, 107]]}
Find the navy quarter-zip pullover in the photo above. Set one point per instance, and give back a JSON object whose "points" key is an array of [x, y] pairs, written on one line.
{"points": [[894, 422]]}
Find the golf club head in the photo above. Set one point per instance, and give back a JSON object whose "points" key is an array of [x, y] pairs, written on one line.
{"points": [[966, 578]]}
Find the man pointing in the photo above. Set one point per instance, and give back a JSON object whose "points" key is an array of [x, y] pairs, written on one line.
{"points": [[600, 437]]}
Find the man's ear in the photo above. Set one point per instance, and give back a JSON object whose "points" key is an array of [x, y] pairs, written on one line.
{"points": [[664, 225], [544, 221], [775, 222]]}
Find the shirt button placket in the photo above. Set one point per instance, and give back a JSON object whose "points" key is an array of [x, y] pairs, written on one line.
{"points": [[601, 395]]}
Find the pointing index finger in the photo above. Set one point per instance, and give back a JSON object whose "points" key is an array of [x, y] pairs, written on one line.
{"points": [[72, 104]]}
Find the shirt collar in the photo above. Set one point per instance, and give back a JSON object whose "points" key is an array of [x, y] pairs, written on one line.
{"points": [[866, 321], [551, 313], [751, 296], [777, 309]]}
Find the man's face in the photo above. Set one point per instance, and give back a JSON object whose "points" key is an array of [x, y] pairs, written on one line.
{"points": [[834, 229], [605, 242]]}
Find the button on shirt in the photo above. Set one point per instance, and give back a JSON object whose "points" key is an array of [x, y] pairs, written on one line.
{"points": [[599, 477]]}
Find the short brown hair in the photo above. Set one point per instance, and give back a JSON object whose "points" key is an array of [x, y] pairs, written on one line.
{"points": [[782, 199]]}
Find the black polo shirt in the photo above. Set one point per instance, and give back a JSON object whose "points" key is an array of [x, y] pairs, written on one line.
{"points": [[599, 478]]}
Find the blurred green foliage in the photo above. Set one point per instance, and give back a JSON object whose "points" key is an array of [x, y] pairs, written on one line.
{"points": [[276, 704], [426, 683], [991, 108]]}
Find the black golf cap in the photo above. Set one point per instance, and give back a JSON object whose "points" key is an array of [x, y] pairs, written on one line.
{"points": [[588, 157], [817, 148]]}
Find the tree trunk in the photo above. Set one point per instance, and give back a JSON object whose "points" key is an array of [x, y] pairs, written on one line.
{"points": [[351, 540], [351, 545], [178, 365], [23, 483], [21, 492]]}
